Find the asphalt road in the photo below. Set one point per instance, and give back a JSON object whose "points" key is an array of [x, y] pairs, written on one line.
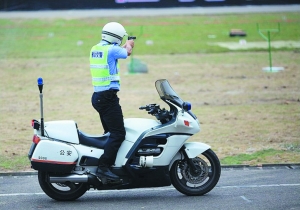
{"points": [[239, 188]]}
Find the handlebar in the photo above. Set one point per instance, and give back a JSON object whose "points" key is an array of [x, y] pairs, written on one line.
{"points": [[161, 114], [147, 107]]}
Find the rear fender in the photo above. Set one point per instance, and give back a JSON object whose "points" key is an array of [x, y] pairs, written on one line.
{"points": [[192, 150]]}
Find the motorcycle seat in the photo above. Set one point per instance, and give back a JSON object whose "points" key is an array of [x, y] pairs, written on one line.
{"points": [[98, 141]]}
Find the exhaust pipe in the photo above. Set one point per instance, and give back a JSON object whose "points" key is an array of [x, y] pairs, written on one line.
{"points": [[69, 178]]}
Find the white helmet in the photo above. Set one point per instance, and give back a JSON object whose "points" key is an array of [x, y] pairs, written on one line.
{"points": [[113, 32]]}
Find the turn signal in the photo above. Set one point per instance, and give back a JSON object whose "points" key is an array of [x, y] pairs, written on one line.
{"points": [[36, 139]]}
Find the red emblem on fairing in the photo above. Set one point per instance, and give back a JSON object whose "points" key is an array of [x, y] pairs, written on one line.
{"points": [[186, 123]]}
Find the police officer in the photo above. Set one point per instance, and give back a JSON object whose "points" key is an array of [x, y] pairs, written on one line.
{"points": [[105, 72]]}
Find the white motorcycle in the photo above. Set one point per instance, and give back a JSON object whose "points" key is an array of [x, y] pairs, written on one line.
{"points": [[155, 153]]}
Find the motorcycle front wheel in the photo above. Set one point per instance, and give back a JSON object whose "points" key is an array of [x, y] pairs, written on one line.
{"points": [[189, 182], [61, 191]]}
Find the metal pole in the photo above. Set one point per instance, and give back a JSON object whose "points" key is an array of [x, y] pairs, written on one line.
{"points": [[270, 54], [42, 114], [40, 85], [268, 38]]}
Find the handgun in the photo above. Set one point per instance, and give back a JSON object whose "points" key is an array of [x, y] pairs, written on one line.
{"points": [[131, 37]]}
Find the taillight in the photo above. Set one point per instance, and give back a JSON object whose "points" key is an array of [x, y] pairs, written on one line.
{"points": [[36, 139]]}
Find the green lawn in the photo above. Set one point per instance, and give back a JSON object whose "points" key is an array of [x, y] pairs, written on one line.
{"points": [[174, 34]]}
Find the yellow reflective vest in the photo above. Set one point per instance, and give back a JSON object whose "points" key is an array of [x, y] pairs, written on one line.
{"points": [[99, 66]]}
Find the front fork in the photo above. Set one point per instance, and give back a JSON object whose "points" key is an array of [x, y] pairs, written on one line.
{"points": [[189, 160]]}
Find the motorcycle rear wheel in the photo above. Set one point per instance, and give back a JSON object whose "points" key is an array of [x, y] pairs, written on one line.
{"points": [[190, 183], [61, 191]]}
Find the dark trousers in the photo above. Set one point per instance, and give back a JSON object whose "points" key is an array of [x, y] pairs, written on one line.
{"points": [[107, 105]]}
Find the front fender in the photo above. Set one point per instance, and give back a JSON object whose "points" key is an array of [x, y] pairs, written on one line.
{"points": [[192, 150]]}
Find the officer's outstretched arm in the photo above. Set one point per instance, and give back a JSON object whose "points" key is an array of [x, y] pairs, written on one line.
{"points": [[129, 46]]}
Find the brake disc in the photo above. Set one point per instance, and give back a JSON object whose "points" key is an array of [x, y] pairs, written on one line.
{"points": [[195, 178]]}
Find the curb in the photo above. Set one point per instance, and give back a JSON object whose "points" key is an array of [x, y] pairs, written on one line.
{"points": [[261, 166], [281, 165], [19, 173], [264, 165]]}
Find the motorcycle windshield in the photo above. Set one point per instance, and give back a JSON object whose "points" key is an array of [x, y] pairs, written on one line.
{"points": [[166, 92]]}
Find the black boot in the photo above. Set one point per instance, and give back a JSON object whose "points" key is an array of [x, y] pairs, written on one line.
{"points": [[103, 171]]}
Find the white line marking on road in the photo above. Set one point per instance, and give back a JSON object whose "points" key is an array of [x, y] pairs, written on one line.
{"points": [[18, 194], [257, 186], [96, 191], [158, 189], [245, 199]]}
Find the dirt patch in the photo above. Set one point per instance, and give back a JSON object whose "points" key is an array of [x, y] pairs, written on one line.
{"points": [[242, 109], [242, 44]]}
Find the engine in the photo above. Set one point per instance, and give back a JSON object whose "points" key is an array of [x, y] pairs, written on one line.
{"points": [[149, 151]]}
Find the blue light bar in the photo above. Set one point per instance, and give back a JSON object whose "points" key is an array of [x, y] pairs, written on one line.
{"points": [[40, 81]]}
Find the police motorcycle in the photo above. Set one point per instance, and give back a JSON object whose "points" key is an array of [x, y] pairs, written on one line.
{"points": [[155, 153]]}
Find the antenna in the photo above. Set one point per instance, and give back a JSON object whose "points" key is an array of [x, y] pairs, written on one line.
{"points": [[40, 85]]}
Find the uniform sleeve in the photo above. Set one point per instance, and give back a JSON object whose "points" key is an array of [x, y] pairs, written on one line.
{"points": [[118, 52]]}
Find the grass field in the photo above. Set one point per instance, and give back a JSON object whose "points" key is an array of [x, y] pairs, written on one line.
{"points": [[248, 116]]}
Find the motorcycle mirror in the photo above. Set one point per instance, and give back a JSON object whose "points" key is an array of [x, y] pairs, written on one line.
{"points": [[187, 106]]}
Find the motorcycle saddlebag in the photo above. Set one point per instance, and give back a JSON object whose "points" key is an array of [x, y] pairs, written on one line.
{"points": [[53, 156]]}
